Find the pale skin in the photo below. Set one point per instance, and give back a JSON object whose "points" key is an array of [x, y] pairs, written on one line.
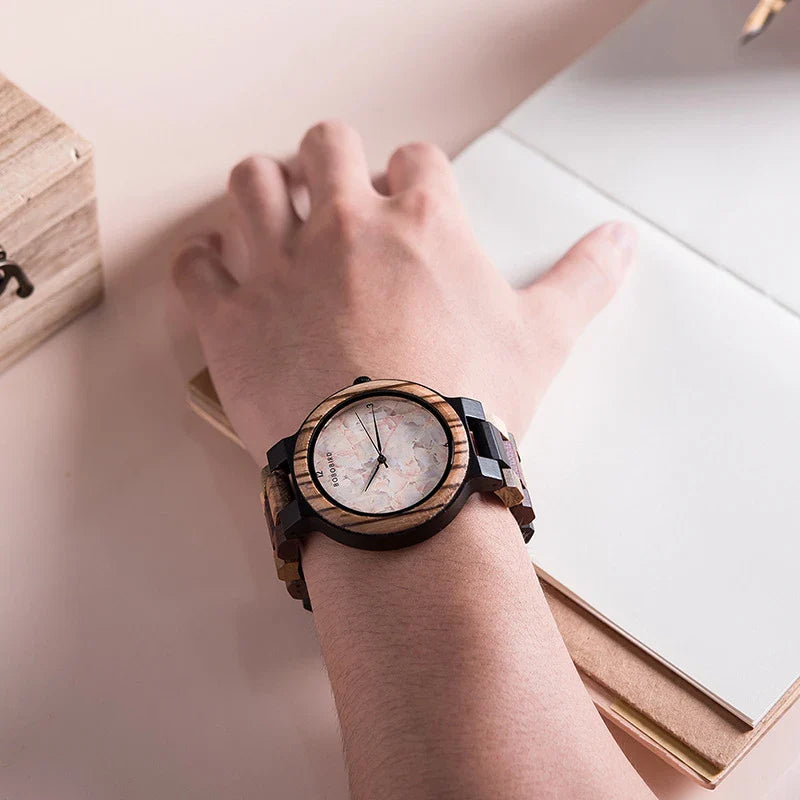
{"points": [[449, 675]]}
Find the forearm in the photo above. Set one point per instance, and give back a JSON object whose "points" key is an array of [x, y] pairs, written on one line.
{"points": [[450, 677], [449, 674]]}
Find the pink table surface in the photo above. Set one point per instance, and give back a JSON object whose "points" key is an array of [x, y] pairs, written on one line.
{"points": [[146, 648]]}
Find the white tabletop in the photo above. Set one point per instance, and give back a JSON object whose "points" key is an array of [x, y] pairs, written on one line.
{"points": [[147, 649]]}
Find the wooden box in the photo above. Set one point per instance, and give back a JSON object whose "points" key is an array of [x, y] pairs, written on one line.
{"points": [[50, 269]]}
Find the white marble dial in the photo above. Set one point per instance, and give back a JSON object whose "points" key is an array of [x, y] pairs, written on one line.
{"points": [[381, 454]]}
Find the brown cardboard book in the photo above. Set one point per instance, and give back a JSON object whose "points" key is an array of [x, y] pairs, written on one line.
{"points": [[639, 694]]}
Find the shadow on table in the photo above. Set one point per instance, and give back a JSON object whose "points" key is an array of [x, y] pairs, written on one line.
{"points": [[194, 649]]}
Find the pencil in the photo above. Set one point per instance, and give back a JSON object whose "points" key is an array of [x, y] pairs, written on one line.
{"points": [[760, 17]]}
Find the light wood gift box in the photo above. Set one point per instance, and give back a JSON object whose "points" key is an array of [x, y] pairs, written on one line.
{"points": [[48, 223], [653, 704]]}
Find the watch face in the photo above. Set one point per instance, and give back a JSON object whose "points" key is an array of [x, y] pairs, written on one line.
{"points": [[381, 454]]}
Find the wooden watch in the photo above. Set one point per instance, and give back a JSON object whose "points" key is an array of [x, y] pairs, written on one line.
{"points": [[385, 464]]}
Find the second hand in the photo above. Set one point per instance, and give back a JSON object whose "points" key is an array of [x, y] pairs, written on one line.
{"points": [[378, 448]]}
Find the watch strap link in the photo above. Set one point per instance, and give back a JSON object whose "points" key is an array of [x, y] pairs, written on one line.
{"points": [[497, 443], [276, 494]]}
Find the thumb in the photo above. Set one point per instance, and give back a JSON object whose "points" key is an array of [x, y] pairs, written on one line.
{"points": [[569, 295]]}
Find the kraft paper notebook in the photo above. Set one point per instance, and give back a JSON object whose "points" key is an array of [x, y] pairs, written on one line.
{"points": [[664, 461]]}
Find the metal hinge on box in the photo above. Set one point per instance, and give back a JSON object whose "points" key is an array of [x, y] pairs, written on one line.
{"points": [[9, 270], [48, 223]]}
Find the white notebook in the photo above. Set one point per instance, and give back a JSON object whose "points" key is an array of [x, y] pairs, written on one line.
{"points": [[664, 462]]}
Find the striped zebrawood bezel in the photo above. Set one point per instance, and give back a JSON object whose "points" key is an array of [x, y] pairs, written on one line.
{"points": [[402, 520]]}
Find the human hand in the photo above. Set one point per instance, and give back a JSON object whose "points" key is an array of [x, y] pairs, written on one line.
{"points": [[390, 286], [395, 286]]}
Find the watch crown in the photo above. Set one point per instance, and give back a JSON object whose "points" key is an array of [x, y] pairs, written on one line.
{"points": [[362, 379]]}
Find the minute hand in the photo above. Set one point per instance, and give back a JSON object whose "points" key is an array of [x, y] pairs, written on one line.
{"points": [[377, 433], [368, 434]]}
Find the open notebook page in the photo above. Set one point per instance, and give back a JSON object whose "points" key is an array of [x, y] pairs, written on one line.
{"points": [[671, 117], [663, 462]]}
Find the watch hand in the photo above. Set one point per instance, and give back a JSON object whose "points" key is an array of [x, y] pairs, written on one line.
{"points": [[367, 432], [374, 473], [378, 437], [377, 434]]}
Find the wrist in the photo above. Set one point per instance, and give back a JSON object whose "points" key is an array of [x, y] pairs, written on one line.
{"points": [[483, 538], [409, 636]]}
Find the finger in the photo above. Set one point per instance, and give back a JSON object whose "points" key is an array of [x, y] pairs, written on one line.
{"points": [[420, 164], [573, 291], [380, 183], [200, 275], [258, 189], [236, 250], [333, 163], [298, 190]]}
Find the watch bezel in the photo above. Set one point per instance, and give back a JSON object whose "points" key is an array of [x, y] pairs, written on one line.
{"points": [[367, 395], [383, 531]]}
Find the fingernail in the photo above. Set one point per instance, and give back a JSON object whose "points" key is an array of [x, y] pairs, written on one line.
{"points": [[624, 237]]}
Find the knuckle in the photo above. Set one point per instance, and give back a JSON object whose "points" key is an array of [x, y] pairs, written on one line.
{"points": [[421, 203], [249, 172], [599, 264], [420, 151], [186, 264], [343, 217], [327, 131], [181, 270]]}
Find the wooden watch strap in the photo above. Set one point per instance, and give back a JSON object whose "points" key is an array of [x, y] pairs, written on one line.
{"points": [[514, 491], [276, 494]]}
